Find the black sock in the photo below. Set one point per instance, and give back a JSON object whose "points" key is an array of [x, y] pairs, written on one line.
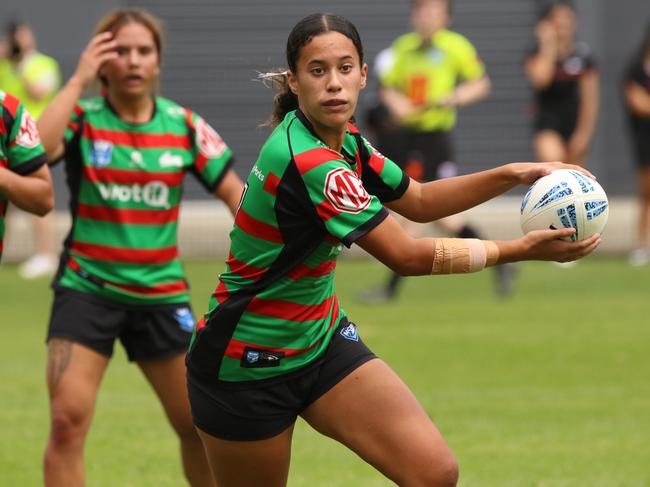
{"points": [[393, 282], [467, 232]]}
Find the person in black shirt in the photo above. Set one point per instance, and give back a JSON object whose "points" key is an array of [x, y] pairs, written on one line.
{"points": [[563, 75]]}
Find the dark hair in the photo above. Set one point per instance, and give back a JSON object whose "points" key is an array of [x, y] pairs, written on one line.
{"points": [[547, 7], [14, 49], [302, 33]]}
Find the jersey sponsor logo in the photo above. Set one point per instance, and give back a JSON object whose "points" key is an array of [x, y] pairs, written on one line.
{"points": [[167, 159], [573, 65], [345, 191], [254, 358], [350, 332], [101, 153], [185, 319], [435, 55], [175, 111], [154, 194], [27, 134], [209, 141], [136, 159], [258, 173]]}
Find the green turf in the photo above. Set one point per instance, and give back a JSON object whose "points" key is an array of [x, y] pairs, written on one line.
{"points": [[548, 388]]}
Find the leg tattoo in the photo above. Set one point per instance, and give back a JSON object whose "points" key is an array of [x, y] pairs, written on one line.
{"points": [[58, 359]]}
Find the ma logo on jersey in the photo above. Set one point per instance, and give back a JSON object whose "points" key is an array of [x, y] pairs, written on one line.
{"points": [[209, 142], [345, 191], [27, 134]]}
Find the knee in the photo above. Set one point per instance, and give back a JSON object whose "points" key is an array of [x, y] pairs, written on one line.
{"points": [[68, 427], [442, 472]]}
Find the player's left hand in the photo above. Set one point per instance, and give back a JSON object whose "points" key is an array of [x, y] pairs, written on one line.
{"points": [[528, 172]]}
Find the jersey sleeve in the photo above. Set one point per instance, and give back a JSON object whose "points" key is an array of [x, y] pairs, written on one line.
{"points": [[212, 157], [339, 197], [380, 176], [25, 153], [469, 64]]}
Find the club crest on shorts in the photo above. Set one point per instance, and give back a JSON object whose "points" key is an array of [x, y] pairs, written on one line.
{"points": [[101, 153], [252, 356], [350, 332], [185, 319]]}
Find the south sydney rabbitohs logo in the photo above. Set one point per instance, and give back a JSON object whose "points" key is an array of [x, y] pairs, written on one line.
{"points": [[27, 134], [345, 191], [209, 142]]}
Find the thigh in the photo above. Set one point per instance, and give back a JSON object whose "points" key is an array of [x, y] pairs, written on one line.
{"points": [[74, 373], [157, 333], [373, 412], [249, 463], [549, 146], [167, 378]]}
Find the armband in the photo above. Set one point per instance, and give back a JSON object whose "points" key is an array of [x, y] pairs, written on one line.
{"points": [[463, 255]]}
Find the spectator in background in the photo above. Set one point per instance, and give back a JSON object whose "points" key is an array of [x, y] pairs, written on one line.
{"points": [[563, 75], [32, 77], [637, 104], [425, 76]]}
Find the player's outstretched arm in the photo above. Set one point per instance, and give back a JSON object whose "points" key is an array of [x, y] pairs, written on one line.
{"points": [[54, 120], [31, 192], [409, 256], [426, 202]]}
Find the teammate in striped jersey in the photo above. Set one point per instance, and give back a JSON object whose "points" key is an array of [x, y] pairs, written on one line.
{"points": [[24, 176], [126, 154], [276, 343]]}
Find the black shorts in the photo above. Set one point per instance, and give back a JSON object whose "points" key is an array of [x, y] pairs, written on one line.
{"points": [[147, 333], [423, 156], [640, 133], [561, 120], [262, 409]]}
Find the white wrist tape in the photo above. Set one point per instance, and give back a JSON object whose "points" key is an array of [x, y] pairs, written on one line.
{"points": [[463, 255]]}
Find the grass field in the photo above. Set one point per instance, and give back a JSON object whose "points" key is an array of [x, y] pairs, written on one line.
{"points": [[549, 388]]}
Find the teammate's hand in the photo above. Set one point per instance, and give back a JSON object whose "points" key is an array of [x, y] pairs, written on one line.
{"points": [[529, 172], [546, 245], [100, 49], [545, 34]]}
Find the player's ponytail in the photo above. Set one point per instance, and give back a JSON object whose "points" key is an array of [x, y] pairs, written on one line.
{"points": [[285, 100]]}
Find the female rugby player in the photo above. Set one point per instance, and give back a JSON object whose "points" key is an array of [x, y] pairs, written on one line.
{"points": [[126, 154], [276, 343]]}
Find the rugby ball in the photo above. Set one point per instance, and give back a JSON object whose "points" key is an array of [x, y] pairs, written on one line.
{"points": [[565, 198]]}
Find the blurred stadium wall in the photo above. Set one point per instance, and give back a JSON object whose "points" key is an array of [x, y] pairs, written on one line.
{"points": [[216, 47]]}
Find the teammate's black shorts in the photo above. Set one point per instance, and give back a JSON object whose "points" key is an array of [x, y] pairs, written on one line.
{"points": [[423, 156], [147, 333], [562, 120], [263, 409], [640, 132]]}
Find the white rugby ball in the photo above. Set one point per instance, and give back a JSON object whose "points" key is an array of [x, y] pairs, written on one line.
{"points": [[565, 198]]}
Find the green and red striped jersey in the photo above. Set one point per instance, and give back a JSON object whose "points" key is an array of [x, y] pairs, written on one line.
{"points": [[21, 150], [125, 183], [275, 309]]}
